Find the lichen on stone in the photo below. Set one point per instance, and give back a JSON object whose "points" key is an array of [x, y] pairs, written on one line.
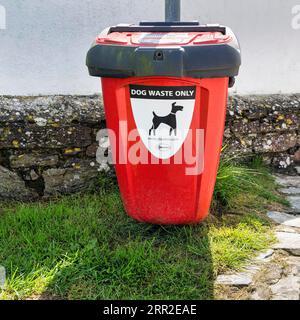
{"points": [[48, 143]]}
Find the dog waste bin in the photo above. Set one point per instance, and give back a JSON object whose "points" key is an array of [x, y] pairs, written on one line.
{"points": [[165, 91]]}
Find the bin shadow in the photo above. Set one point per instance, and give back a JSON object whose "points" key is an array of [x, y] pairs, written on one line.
{"points": [[87, 248]]}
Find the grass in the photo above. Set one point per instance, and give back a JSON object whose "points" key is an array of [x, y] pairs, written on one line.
{"points": [[239, 185], [85, 247]]}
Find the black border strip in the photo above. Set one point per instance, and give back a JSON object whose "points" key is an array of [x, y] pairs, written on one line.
{"points": [[171, 23], [146, 28]]}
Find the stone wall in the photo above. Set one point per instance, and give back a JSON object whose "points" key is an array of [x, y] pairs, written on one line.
{"points": [[265, 125], [48, 144]]}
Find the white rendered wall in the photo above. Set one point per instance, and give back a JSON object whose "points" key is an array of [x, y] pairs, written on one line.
{"points": [[43, 43]]}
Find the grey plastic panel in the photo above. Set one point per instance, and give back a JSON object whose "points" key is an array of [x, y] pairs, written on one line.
{"points": [[202, 61]]}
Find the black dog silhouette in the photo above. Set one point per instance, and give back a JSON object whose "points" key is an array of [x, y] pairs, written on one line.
{"points": [[169, 120]]}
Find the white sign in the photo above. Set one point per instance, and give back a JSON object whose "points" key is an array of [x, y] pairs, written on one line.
{"points": [[163, 117]]}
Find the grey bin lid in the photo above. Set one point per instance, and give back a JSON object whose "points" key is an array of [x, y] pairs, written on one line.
{"points": [[197, 61]]}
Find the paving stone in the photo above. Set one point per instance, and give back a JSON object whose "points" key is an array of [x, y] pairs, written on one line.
{"points": [[274, 273], [283, 228], [295, 263], [265, 255], [245, 278], [295, 203], [252, 269], [289, 242], [2, 277], [288, 181], [290, 191], [262, 292], [284, 219], [279, 281], [238, 280], [287, 288]]}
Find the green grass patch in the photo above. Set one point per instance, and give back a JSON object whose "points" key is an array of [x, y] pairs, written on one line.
{"points": [[241, 186], [85, 247]]}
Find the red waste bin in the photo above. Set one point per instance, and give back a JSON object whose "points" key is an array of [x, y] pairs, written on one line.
{"points": [[165, 92]]}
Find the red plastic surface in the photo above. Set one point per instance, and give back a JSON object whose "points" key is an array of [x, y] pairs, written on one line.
{"points": [[163, 193], [163, 38]]}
